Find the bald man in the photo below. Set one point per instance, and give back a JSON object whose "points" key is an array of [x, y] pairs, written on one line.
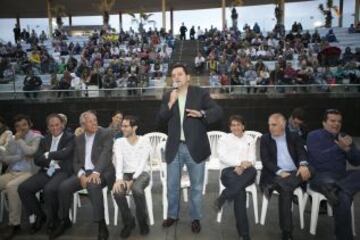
{"points": [[285, 167]]}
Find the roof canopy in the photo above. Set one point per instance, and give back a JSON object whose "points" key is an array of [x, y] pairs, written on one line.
{"points": [[38, 8]]}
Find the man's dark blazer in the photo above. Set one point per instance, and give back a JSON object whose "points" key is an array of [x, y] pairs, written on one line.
{"points": [[194, 128], [64, 153], [268, 153], [101, 153]]}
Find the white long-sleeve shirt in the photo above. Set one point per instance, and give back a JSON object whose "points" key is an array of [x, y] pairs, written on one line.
{"points": [[233, 150], [130, 158]]}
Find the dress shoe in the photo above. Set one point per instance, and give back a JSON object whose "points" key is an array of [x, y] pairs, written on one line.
{"points": [[36, 226], [63, 225], [286, 236], [144, 228], [126, 231], [246, 237], [10, 232], [168, 222], [50, 227], [218, 203], [195, 226], [103, 231]]}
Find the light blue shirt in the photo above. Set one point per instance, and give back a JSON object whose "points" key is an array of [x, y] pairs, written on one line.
{"points": [[284, 160]]}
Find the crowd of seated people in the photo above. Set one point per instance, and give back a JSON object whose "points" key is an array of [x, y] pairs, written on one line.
{"points": [[354, 29], [238, 58], [127, 59]]}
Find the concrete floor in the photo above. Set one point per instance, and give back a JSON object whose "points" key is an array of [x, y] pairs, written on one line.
{"points": [[211, 230]]}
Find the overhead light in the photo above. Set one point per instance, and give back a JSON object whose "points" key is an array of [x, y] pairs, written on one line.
{"points": [[317, 24]]}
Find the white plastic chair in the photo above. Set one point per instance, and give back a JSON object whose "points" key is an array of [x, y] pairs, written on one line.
{"points": [[316, 199], [155, 138], [213, 162], [301, 201], [77, 203], [251, 189], [184, 183], [148, 199], [258, 164]]}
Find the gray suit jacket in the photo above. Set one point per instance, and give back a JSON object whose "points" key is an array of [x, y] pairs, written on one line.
{"points": [[101, 152]]}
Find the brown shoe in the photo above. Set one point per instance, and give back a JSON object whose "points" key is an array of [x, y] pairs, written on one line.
{"points": [[168, 222]]}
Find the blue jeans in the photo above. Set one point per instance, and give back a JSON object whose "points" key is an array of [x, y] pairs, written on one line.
{"points": [[196, 174]]}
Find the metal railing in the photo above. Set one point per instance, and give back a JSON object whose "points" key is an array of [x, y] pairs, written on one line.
{"points": [[227, 91]]}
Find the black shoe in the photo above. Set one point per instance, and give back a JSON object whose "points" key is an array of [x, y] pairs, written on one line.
{"points": [[246, 237], [195, 226], [37, 225], [10, 232], [126, 231], [63, 225], [169, 222], [50, 227], [144, 228], [103, 231], [219, 202], [287, 236]]}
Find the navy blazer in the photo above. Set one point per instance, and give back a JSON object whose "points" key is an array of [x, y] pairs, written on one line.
{"points": [[64, 153], [268, 153], [195, 129]]}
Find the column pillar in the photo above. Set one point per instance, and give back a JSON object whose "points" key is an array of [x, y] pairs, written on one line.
{"points": [[223, 16], [163, 10], [172, 20], [282, 10], [120, 21], [18, 21], [49, 18], [341, 9], [357, 9]]}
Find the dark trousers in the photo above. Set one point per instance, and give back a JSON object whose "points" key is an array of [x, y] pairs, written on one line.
{"points": [[286, 187], [235, 190], [348, 184], [137, 190], [28, 189], [72, 185]]}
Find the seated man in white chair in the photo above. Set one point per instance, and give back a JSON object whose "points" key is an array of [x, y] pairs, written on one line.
{"points": [[285, 168], [329, 150], [237, 154], [131, 154]]}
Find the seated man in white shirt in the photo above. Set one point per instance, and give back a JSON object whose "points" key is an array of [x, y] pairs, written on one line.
{"points": [[237, 157], [131, 154]]}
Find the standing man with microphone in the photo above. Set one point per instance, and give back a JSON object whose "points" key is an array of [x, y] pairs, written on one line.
{"points": [[186, 110]]}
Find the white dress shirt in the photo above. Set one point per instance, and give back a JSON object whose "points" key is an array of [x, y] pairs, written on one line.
{"points": [[131, 158], [89, 141], [233, 150]]}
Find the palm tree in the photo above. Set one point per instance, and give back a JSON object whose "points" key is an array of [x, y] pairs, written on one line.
{"points": [[327, 12], [59, 12], [105, 7], [142, 20]]}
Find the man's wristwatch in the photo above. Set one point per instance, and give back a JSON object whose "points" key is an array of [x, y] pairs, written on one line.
{"points": [[203, 113]]}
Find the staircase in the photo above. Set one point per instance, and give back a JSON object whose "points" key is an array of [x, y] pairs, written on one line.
{"points": [[345, 39], [185, 52]]}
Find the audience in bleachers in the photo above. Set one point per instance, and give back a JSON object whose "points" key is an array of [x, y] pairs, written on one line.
{"points": [[303, 57]]}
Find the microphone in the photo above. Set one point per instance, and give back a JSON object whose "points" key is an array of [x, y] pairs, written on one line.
{"points": [[175, 85]]}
